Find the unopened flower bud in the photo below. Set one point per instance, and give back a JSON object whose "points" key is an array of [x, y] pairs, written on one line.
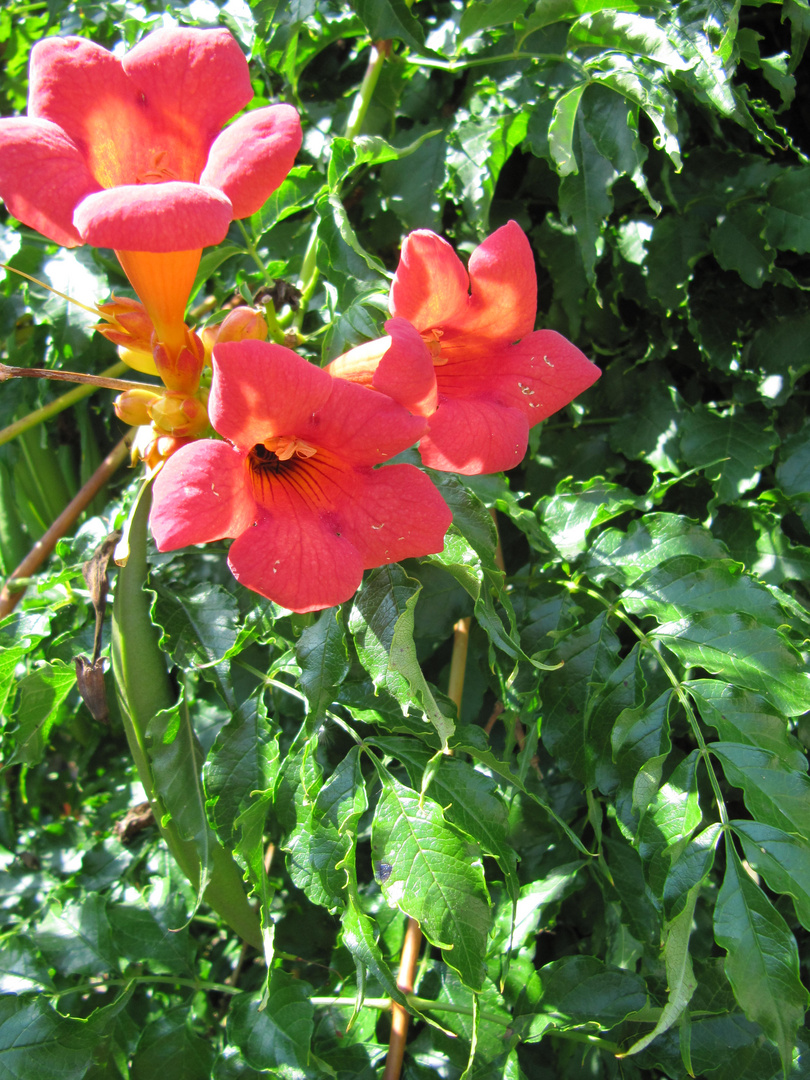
{"points": [[178, 415], [133, 406], [242, 324], [139, 359], [126, 323], [180, 371], [154, 449]]}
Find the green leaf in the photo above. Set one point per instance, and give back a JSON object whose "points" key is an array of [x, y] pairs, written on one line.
{"points": [[738, 244], [278, 1035], [689, 868], [641, 744], [732, 450], [381, 622], [762, 964], [577, 507], [476, 153], [673, 815], [199, 625], [774, 793], [41, 694], [687, 585], [144, 933], [681, 982], [36, 1043], [581, 990], [626, 32], [22, 968], [471, 800], [745, 653], [589, 657], [169, 1045], [481, 15], [318, 848], [743, 717], [76, 938], [677, 243], [561, 130], [176, 758], [297, 191], [435, 876], [782, 859], [624, 557], [390, 19], [346, 155], [786, 214], [243, 759], [322, 656]]}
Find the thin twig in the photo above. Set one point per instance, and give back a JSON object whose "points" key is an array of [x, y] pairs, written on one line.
{"points": [[400, 1017], [9, 598], [53, 408], [57, 375]]}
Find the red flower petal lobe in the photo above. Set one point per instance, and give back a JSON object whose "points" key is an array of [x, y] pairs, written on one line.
{"points": [[405, 372], [201, 494], [251, 158], [260, 390], [430, 285], [400, 515], [154, 217], [43, 176], [473, 435]]}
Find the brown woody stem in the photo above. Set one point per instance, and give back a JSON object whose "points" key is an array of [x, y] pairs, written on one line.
{"points": [[8, 372]]}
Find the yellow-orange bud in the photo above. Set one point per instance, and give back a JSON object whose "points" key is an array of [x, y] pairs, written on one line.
{"points": [[242, 324], [178, 415], [133, 406]]}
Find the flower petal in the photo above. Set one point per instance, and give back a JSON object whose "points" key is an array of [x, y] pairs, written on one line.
{"points": [[199, 77], [201, 494], [431, 284], [473, 435], [399, 515], [43, 175], [298, 558], [154, 217], [362, 426], [503, 301], [538, 375], [154, 114], [251, 158], [359, 364], [260, 390], [406, 371]]}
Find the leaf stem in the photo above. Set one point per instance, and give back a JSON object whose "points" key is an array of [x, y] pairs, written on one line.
{"points": [[251, 249], [354, 122]]}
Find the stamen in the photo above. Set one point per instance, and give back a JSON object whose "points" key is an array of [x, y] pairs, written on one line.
{"points": [[285, 446], [432, 338], [159, 173]]}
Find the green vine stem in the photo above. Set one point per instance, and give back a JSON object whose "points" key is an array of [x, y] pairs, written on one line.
{"points": [[309, 270], [143, 688]]}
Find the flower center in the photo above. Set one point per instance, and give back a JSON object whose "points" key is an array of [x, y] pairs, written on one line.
{"points": [[278, 460], [159, 172], [432, 339]]}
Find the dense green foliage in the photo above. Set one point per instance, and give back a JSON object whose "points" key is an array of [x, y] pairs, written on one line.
{"points": [[616, 859]]}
